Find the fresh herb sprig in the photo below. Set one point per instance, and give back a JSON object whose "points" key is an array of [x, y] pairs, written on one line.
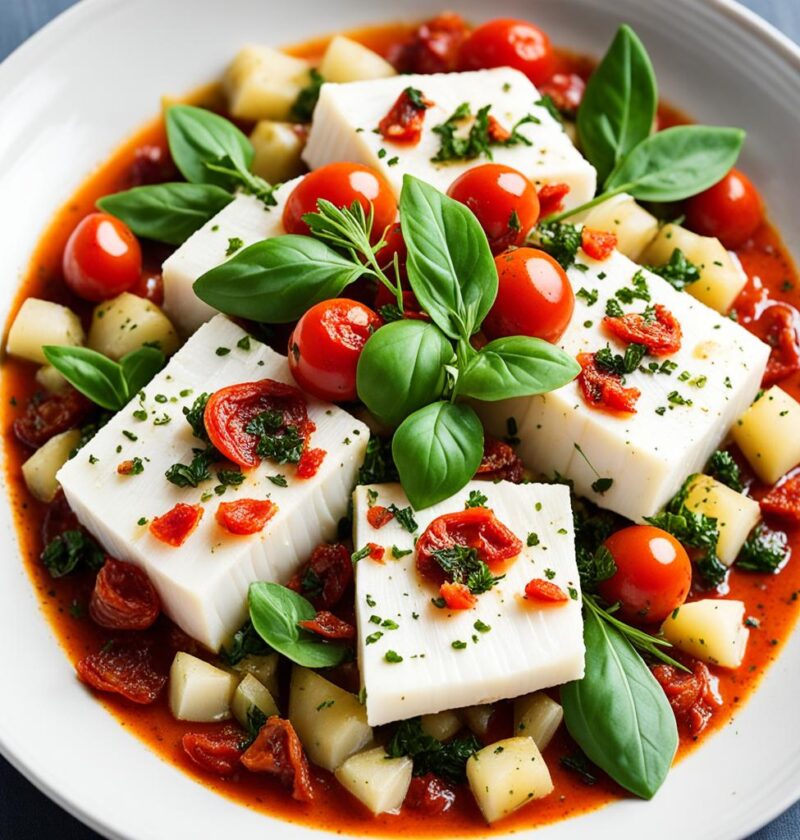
{"points": [[430, 755]]}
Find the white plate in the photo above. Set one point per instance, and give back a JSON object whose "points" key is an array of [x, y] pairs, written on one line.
{"points": [[80, 87]]}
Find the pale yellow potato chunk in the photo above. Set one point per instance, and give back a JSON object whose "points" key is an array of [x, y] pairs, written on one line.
{"points": [[477, 717], [379, 782], [39, 323], [50, 379], [39, 471], [250, 694], [199, 691], [346, 60], [277, 147], [538, 716], [633, 226], [710, 630], [442, 725], [128, 322], [263, 668]]}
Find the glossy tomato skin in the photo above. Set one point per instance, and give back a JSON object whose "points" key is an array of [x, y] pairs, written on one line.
{"points": [[506, 42], [653, 574], [102, 258], [731, 210], [325, 347], [503, 200], [341, 183], [534, 297]]}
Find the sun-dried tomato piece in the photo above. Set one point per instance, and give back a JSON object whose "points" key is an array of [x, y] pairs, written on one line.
{"points": [[376, 552], [58, 518], [434, 47], [545, 591], [218, 752], [694, 697], [378, 516], [326, 576], [598, 244], [430, 795], [500, 462], [403, 122], [551, 199], [784, 500], [779, 326], [457, 596], [496, 131], [49, 416], [661, 334], [151, 165], [245, 516], [566, 90], [310, 462], [125, 667], [123, 597], [329, 626], [277, 750], [177, 524], [603, 389]]}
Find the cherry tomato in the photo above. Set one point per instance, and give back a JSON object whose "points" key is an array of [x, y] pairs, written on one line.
{"points": [[566, 90], [503, 200], [653, 574], [506, 42], [102, 258], [731, 210], [534, 297], [150, 286], [341, 184], [326, 344]]}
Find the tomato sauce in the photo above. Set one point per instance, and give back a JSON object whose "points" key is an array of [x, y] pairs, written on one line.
{"points": [[772, 600]]}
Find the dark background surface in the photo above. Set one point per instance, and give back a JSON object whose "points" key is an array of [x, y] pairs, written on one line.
{"points": [[25, 814]]}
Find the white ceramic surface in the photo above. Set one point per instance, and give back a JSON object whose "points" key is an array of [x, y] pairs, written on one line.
{"points": [[78, 88]]}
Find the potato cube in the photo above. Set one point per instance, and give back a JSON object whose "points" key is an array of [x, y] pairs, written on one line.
{"points": [[768, 434], [263, 668], [126, 323], [346, 60], [736, 514], [39, 471], [38, 323], [442, 725], [50, 379], [477, 717], [633, 226], [251, 695], [330, 722], [199, 691], [378, 781], [506, 775], [537, 716], [277, 146], [710, 630]]}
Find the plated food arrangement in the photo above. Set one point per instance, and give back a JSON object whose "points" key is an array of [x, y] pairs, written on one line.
{"points": [[411, 425]]}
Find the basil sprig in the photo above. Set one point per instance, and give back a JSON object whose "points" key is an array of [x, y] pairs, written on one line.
{"points": [[109, 384]]}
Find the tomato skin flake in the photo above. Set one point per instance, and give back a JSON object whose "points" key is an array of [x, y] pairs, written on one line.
{"points": [[218, 753], [497, 133], [457, 596], [177, 524], [694, 697], [598, 244], [123, 667], [500, 462], [545, 591], [326, 577], [123, 597], [784, 501], [660, 335], [245, 516], [403, 122], [604, 390], [329, 626], [310, 462], [429, 795], [378, 516], [376, 552], [551, 199], [277, 750]]}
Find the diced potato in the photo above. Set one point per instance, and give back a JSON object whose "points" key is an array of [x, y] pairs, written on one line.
{"points": [[263, 83], [736, 514], [442, 725], [126, 323], [721, 278], [199, 691], [329, 721], [710, 630], [50, 379], [251, 694], [477, 717], [277, 146], [378, 781], [633, 226], [506, 775], [538, 716], [346, 60], [263, 668], [768, 434], [38, 323], [39, 471]]}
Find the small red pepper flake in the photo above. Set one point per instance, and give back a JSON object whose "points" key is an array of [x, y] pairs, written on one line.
{"points": [[497, 133], [457, 596], [551, 199], [329, 626], [784, 501], [376, 552], [176, 525], [545, 591], [378, 516], [403, 123], [661, 334], [126, 468], [598, 244], [245, 516], [603, 389], [310, 462]]}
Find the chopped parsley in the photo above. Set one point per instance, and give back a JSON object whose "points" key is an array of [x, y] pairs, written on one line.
{"points": [[763, 551], [306, 101], [195, 417], [378, 466], [722, 467], [397, 553], [475, 499], [245, 642], [533, 539], [679, 272], [234, 244], [590, 296], [620, 365], [244, 343], [613, 309], [454, 144], [392, 656], [193, 474], [638, 290], [278, 480], [448, 760], [561, 240], [461, 564], [405, 517], [70, 550], [281, 444]]}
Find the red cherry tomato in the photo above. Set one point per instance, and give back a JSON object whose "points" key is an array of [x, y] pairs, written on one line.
{"points": [[506, 42], [731, 210], [102, 258], [534, 297], [503, 200], [566, 90], [326, 344], [341, 184], [653, 574]]}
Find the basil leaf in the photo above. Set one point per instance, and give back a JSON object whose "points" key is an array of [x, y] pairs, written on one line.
{"points": [[450, 266], [619, 103], [517, 366], [401, 369], [677, 162], [277, 280], [275, 612], [198, 137], [93, 374], [437, 450], [166, 212], [618, 714], [140, 366]]}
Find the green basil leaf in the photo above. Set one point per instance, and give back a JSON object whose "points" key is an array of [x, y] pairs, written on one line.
{"points": [[401, 369], [140, 366], [450, 266], [198, 137], [677, 162], [618, 714], [275, 612], [619, 103], [166, 212], [275, 281], [517, 366], [437, 450], [93, 374]]}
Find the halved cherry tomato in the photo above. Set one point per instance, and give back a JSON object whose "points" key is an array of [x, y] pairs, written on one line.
{"points": [[245, 516], [784, 500], [661, 334], [505, 42], [403, 122], [598, 244], [341, 184], [123, 597], [545, 591], [534, 297], [102, 258], [325, 347], [277, 750], [603, 389], [434, 47], [731, 210], [329, 626], [176, 525], [216, 752], [566, 90], [124, 667], [457, 596], [503, 200], [653, 574]]}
